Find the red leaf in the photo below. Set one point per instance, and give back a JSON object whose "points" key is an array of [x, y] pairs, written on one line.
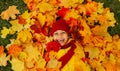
{"points": [[72, 22], [62, 12], [35, 28]]}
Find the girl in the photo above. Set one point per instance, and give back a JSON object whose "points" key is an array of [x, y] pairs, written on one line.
{"points": [[64, 53]]}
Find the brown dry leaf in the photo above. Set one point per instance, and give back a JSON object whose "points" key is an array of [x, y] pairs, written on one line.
{"points": [[10, 13]]}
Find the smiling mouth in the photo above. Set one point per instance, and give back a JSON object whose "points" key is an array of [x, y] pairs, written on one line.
{"points": [[61, 41]]}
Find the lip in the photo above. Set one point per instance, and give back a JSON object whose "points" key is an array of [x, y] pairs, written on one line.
{"points": [[61, 41]]}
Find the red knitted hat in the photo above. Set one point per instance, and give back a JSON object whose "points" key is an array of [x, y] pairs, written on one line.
{"points": [[60, 25]]}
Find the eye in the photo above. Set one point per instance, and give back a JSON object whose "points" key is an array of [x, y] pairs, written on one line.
{"points": [[63, 32], [55, 33]]}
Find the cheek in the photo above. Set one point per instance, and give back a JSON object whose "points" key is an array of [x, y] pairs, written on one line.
{"points": [[66, 37], [54, 38]]}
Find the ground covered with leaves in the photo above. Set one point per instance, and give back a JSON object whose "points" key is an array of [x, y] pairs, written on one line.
{"points": [[25, 30]]}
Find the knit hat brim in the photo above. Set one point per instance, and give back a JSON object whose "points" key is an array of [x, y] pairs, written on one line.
{"points": [[60, 25]]}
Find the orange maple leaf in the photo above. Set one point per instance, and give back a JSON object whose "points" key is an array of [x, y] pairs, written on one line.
{"points": [[10, 13]]}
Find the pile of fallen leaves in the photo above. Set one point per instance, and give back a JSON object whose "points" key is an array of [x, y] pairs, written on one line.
{"points": [[25, 26]]}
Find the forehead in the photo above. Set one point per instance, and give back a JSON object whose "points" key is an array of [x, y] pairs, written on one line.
{"points": [[59, 31]]}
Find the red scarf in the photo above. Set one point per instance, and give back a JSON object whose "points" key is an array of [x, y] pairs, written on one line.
{"points": [[64, 59]]}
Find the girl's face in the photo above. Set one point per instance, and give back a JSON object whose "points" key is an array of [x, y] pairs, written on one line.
{"points": [[60, 36]]}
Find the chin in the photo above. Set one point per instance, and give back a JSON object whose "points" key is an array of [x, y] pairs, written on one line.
{"points": [[62, 44]]}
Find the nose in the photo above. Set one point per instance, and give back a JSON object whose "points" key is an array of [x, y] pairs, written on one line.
{"points": [[60, 35]]}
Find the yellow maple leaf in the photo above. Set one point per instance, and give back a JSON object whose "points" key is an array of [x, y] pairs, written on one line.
{"points": [[100, 68], [10, 13], [100, 8], [27, 16], [17, 65], [86, 33], [111, 18], [4, 32], [15, 26], [64, 3], [82, 9], [92, 19], [32, 52], [70, 3], [44, 7], [71, 14], [41, 63], [118, 44], [93, 51], [41, 19], [106, 19], [102, 31], [91, 7], [22, 56], [98, 41], [49, 19], [24, 36]]}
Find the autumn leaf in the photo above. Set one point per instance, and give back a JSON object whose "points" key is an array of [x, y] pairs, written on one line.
{"points": [[10, 13], [21, 20], [49, 19], [44, 7], [24, 36], [63, 11], [22, 56], [97, 40], [4, 32], [41, 18], [107, 18], [32, 52], [86, 33], [3, 57], [72, 22], [40, 37], [27, 16], [69, 3], [93, 19], [17, 65], [101, 31], [3, 60], [100, 8], [109, 66], [15, 26], [71, 14], [14, 50], [64, 3], [1, 50], [91, 7], [53, 1], [93, 51]]}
